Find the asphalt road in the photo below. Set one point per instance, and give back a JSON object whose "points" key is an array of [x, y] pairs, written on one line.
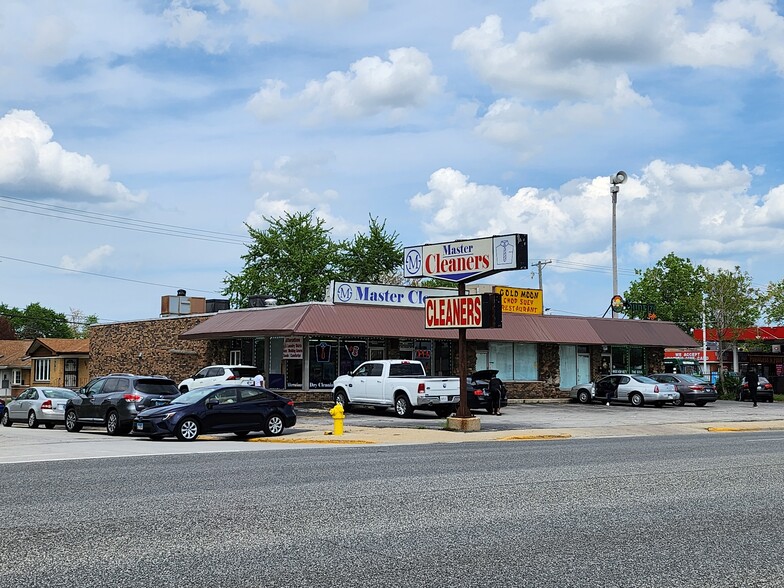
{"points": [[688, 511]]}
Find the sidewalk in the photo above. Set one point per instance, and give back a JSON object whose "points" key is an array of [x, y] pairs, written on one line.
{"points": [[308, 433]]}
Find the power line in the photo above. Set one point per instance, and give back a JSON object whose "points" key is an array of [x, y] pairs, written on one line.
{"points": [[108, 220], [103, 275]]}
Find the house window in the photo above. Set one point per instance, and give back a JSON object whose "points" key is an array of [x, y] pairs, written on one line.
{"points": [[235, 357], [514, 361], [17, 377], [41, 370]]}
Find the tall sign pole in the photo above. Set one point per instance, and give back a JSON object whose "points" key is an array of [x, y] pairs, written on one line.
{"points": [[463, 411], [462, 262]]}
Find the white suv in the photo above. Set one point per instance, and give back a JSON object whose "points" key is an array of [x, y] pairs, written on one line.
{"points": [[218, 374]]}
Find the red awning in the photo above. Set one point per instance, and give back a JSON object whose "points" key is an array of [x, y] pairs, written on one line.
{"points": [[353, 320]]}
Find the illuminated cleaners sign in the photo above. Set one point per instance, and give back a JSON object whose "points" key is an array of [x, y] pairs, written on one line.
{"points": [[463, 261], [453, 312]]}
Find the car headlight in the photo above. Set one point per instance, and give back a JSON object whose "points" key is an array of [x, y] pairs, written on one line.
{"points": [[167, 416]]}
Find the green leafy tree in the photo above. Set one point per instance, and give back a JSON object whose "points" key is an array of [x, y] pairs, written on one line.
{"points": [[675, 286], [37, 321], [774, 302], [732, 304], [372, 257], [292, 261]]}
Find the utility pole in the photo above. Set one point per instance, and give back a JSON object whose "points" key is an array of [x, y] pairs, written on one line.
{"points": [[540, 266]]}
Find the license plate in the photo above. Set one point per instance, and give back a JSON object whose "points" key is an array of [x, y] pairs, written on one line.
{"points": [[140, 426]]}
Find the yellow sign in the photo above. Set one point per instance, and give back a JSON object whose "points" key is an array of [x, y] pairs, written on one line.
{"points": [[520, 300]]}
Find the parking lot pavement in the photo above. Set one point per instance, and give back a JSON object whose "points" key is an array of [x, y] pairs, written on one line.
{"points": [[519, 422]]}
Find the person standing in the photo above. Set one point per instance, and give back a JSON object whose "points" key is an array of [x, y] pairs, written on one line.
{"points": [[258, 379], [752, 380], [495, 395]]}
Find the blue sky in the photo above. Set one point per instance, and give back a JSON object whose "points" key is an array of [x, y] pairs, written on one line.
{"points": [[136, 137]]}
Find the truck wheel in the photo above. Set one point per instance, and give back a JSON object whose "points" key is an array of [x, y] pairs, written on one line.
{"points": [[342, 399], [403, 406], [444, 411]]}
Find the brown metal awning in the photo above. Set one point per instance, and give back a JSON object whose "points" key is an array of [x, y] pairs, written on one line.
{"points": [[350, 320]]}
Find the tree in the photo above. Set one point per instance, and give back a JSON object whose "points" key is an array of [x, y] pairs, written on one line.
{"points": [[295, 259], [371, 257], [675, 286], [292, 261], [37, 321], [732, 304], [774, 302]]}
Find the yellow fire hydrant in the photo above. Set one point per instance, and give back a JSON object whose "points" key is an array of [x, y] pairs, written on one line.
{"points": [[338, 414]]}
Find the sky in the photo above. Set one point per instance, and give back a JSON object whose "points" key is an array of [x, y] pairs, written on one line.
{"points": [[138, 138]]}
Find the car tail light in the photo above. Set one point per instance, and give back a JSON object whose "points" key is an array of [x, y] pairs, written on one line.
{"points": [[478, 392], [232, 377], [744, 385], [47, 405], [656, 389], [768, 386], [696, 387], [421, 388], [132, 398], [290, 403]]}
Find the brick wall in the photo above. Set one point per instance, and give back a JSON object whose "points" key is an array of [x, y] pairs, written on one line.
{"points": [[151, 347]]}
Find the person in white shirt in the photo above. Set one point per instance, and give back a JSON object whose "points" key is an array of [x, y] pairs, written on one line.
{"points": [[258, 379]]}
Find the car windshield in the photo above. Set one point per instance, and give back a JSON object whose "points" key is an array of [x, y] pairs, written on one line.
{"points": [[645, 380], [194, 395], [59, 394]]}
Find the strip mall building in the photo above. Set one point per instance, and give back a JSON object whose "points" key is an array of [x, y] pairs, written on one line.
{"points": [[304, 347]]}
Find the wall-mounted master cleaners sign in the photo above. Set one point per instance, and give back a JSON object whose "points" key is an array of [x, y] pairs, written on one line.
{"points": [[463, 261], [382, 295]]}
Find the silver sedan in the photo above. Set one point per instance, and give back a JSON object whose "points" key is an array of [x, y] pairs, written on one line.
{"points": [[39, 404], [632, 388]]}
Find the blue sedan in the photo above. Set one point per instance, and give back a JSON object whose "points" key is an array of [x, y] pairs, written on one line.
{"points": [[218, 409]]}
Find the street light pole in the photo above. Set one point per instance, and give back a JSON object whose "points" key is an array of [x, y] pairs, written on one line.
{"points": [[615, 180]]}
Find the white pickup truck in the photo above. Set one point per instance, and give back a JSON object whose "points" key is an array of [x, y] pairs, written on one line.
{"points": [[398, 383]]}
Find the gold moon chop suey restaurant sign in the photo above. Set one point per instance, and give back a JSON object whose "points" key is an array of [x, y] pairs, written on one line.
{"points": [[520, 300]]}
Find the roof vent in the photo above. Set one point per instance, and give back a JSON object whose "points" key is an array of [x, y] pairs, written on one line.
{"points": [[259, 301], [180, 292]]}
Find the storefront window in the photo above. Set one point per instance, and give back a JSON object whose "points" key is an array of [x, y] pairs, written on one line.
{"points": [[514, 361], [637, 360], [575, 365], [629, 360], [620, 363], [443, 359], [423, 353], [323, 362], [352, 353]]}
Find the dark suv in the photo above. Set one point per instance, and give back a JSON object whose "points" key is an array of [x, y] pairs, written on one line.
{"points": [[114, 401]]}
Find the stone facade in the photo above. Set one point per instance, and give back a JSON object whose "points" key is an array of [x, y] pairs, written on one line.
{"points": [[151, 347]]}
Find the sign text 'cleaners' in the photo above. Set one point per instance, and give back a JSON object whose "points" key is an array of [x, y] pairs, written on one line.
{"points": [[463, 261]]}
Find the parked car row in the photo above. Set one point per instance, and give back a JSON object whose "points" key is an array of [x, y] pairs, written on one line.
{"points": [[153, 406], [656, 389]]}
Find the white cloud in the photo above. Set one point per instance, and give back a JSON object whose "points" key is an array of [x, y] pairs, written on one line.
{"points": [[692, 210], [33, 164], [370, 86], [284, 188], [92, 260]]}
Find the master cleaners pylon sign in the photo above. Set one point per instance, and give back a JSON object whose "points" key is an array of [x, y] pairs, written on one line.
{"points": [[464, 261]]}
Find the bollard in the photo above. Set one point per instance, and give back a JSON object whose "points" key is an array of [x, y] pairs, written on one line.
{"points": [[338, 414]]}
